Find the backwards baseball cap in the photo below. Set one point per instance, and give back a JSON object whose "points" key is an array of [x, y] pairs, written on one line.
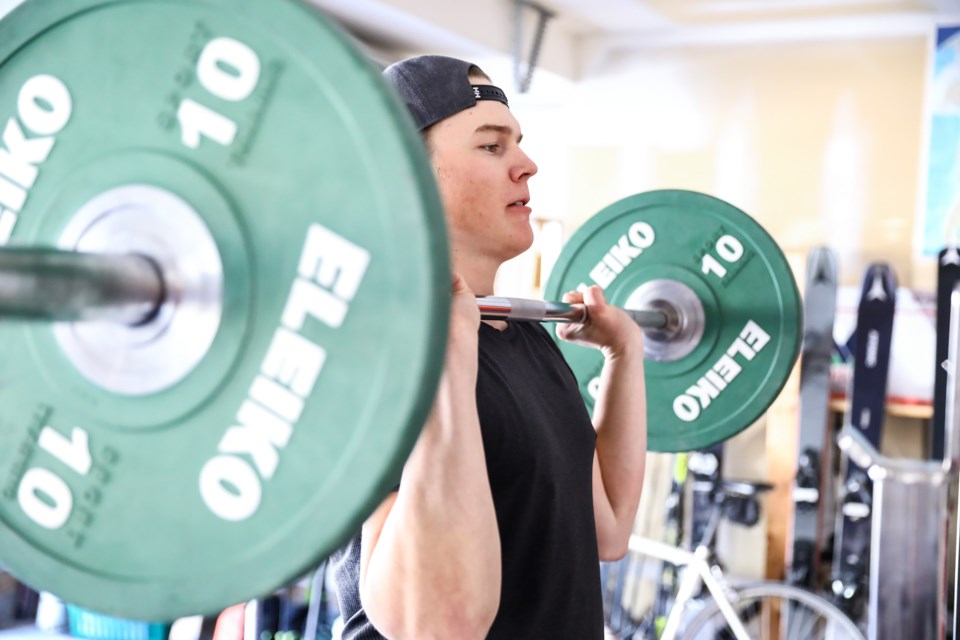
{"points": [[437, 87]]}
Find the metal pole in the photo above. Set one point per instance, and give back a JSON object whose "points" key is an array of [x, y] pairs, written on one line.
{"points": [[952, 447], [61, 286]]}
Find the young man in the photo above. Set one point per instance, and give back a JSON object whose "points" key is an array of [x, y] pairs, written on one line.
{"points": [[511, 496]]}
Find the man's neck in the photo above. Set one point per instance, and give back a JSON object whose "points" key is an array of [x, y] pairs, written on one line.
{"points": [[479, 272]]}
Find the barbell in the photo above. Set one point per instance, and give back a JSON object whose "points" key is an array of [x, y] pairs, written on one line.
{"points": [[226, 288]]}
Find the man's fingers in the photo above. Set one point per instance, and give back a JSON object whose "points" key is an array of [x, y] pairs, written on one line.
{"points": [[460, 285], [594, 295]]}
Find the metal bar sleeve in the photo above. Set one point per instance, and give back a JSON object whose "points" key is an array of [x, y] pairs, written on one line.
{"points": [[58, 286]]}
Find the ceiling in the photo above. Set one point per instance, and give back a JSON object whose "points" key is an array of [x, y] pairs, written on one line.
{"points": [[582, 35], [659, 16]]}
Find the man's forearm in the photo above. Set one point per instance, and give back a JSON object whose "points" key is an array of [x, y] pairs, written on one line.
{"points": [[433, 570], [621, 423]]}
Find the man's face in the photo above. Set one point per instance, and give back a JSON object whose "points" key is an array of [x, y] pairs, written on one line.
{"points": [[482, 175]]}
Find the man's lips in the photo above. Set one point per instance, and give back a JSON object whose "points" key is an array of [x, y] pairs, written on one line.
{"points": [[519, 207]]}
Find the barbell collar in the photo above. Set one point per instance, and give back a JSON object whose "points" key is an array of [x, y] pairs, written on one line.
{"points": [[70, 286], [520, 309]]}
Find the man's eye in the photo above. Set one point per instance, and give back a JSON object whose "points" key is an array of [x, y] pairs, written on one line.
{"points": [[492, 148]]}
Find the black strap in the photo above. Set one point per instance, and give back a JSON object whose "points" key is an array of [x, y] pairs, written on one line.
{"points": [[489, 92]]}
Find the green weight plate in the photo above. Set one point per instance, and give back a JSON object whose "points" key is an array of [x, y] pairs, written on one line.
{"points": [[751, 307], [246, 471]]}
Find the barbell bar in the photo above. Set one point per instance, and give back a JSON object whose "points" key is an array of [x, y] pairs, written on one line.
{"points": [[219, 443], [68, 286], [129, 289], [71, 286], [523, 309]]}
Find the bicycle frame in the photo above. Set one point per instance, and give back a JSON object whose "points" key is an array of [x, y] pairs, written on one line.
{"points": [[698, 572]]}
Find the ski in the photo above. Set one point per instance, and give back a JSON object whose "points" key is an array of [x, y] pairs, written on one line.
{"points": [[814, 437], [948, 274], [872, 337]]}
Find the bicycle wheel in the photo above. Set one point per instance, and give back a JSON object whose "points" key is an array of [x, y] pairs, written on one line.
{"points": [[774, 611]]}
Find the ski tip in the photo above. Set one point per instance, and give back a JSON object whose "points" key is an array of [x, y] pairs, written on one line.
{"points": [[949, 255], [880, 282], [821, 265]]}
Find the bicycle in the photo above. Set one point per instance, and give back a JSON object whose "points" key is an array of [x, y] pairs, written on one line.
{"points": [[762, 610]]}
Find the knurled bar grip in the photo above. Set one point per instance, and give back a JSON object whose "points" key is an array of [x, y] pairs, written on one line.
{"points": [[60, 286], [497, 308]]}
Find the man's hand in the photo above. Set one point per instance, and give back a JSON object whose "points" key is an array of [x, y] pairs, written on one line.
{"points": [[607, 328], [464, 312]]}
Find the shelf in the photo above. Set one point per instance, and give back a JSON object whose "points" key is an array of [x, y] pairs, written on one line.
{"points": [[917, 411]]}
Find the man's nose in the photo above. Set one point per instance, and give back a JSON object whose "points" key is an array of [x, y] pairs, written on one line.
{"points": [[525, 167]]}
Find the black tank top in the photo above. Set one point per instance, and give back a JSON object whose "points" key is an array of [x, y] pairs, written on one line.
{"points": [[539, 444]]}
